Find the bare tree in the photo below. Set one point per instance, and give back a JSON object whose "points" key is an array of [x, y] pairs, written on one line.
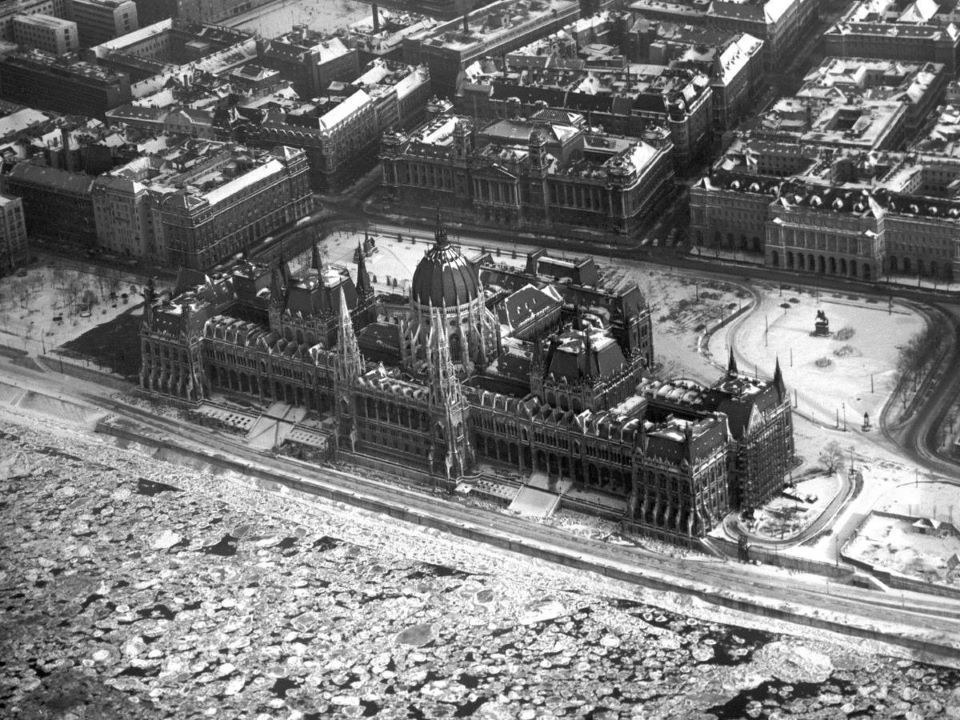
{"points": [[831, 456], [113, 281], [73, 290], [59, 275], [18, 290]]}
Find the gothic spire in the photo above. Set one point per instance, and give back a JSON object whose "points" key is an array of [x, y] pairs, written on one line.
{"points": [[363, 280], [349, 360], [536, 364], [732, 364], [277, 286], [440, 233], [592, 363], [688, 453], [284, 269], [316, 260], [444, 385], [778, 381], [149, 294]]}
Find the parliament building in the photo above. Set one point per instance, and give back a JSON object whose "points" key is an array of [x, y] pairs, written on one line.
{"points": [[545, 369]]}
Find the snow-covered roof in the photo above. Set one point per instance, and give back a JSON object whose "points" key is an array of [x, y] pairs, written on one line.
{"points": [[229, 189], [344, 110]]}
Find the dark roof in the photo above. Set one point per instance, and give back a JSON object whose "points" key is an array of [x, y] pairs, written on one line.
{"points": [[673, 443], [738, 395], [444, 276], [570, 357], [380, 342], [30, 174], [515, 366], [319, 294], [524, 304]]}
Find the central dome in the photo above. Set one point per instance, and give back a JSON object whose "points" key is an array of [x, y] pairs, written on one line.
{"points": [[444, 276]]}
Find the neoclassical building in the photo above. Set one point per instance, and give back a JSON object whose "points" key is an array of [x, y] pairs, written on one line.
{"points": [[544, 370], [548, 169]]}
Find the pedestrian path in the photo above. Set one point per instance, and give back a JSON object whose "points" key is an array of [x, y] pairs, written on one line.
{"points": [[275, 425], [231, 416]]}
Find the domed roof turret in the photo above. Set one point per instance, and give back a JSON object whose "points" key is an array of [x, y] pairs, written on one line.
{"points": [[444, 276]]}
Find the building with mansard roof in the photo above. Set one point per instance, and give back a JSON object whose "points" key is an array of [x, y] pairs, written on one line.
{"points": [[549, 169], [544, 370], [841, 212]]}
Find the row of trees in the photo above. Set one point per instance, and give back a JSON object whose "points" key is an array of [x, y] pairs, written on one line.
{"points": [[919, 352]]}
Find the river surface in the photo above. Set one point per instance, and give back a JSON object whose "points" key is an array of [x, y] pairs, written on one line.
{"points": [[131, 587]]}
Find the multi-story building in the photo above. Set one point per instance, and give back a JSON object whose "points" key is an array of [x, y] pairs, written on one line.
{"points": [[864, 124], [888, 30], [548, 170], [209, 11], [57, 204], [341, 134], [846, 213], [10, 10], [46, 32], [173, 52], [382, 37], [918, 86], [101, 20], [311, 60], [558, 392], [624, 100], [780, 24], [151, 11], [199, 203], [68, 85], [444, 8], [13, 233], [492, 30], [733, 62]]}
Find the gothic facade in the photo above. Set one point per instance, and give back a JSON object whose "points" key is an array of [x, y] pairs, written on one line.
{"points": [[541, 370]]}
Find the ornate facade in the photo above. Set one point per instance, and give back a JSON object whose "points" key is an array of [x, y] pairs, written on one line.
{"points": [[542, 370], [849, 214], [542, 171]]}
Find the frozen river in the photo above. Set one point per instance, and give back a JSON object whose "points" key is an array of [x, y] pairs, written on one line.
{"points": [[136, 588]]}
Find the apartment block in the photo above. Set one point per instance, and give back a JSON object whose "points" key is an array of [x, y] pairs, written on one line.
{"points": [[780, 24], [492, 30], [311, 60], [889, 30], [67, 85], [199, 203], [45, 32], [13, 233], [10, 10], [57, 203], [101, 20]]}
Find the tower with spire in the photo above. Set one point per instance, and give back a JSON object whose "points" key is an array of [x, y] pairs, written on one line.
{"points": [[365, 294], [778, 383], [450, 446], [348, 366], [732, 370]]}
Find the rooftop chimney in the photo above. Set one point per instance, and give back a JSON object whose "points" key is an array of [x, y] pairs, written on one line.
{"points": [[466, 25], [376, 18]]}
